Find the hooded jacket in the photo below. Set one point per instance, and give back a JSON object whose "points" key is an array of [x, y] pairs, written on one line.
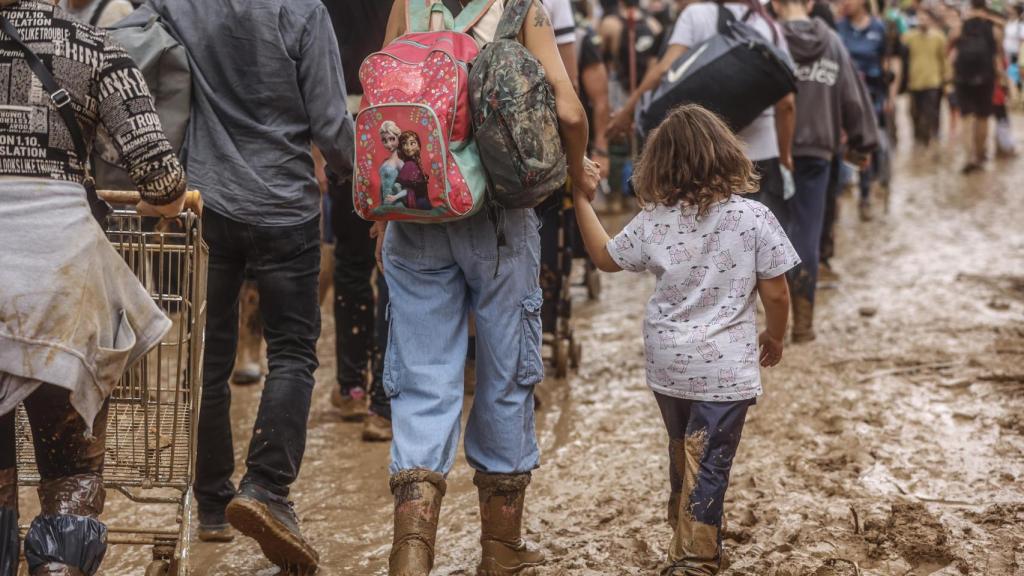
{"points": [[830, 98]]}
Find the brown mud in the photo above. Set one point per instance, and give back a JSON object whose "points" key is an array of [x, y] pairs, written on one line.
{"points": [[893, 445]]}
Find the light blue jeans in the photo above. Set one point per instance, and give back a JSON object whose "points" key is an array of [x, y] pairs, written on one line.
{"points": [[437, 274]]}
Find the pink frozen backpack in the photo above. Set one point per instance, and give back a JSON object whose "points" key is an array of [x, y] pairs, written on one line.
{"points": [[415, 156]]}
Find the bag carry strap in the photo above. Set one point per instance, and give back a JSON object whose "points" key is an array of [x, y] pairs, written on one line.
{"points": [[512, 19], [725, 17], [62, 102], [98, 13]]}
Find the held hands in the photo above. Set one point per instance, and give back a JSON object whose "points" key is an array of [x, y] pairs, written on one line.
{"points": [[586, 184], [771, 349], [621, 123]]}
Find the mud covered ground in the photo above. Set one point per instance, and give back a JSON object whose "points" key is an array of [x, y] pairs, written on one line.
{"points": [[893, 445]]}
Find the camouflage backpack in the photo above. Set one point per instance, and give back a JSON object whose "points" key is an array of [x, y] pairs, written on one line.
{"points": [[516, 128]]}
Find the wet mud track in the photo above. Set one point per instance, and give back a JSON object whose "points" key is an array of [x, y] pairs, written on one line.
{"points": [[893, 445]]}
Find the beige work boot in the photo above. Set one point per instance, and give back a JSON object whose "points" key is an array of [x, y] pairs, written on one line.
{"points": [[418, 495], [376, 428], [803, 320], [504, 552], [354, 406]]}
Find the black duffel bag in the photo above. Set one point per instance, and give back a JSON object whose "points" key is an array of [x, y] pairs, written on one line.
{"points": [[736, 74]]}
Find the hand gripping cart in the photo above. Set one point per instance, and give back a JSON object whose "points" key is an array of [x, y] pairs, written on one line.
{"points": [[154, 409]]}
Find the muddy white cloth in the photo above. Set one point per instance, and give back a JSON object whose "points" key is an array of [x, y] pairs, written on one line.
{"points": [[700, 330], [72, 313]]}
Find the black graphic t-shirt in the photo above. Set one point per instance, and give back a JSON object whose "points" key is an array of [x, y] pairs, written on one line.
{"points": [[106, 88]]}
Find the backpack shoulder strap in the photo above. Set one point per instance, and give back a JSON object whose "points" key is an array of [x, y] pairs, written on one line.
{"points": [[97, 14], [417, 15], [725, 17], [512, 19]]}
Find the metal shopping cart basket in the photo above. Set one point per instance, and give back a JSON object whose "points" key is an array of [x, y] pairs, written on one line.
{"points": [[154, 410]]}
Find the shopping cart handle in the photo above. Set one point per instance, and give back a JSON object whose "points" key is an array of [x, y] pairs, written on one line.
{"points": [[193, 200]]}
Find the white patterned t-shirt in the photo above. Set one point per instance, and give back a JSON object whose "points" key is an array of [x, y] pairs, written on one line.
{"points": [[700, 330]]}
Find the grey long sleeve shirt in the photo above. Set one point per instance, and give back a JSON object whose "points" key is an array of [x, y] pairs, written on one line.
{"points": [[267, 84]]}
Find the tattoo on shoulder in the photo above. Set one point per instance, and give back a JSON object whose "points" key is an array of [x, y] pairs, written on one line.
{"points": [[540, 18]]}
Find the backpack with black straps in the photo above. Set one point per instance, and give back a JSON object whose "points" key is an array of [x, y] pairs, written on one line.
{"points": [[975, 51], [514, 118]]}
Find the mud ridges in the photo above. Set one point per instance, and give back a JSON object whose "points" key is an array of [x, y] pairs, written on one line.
{"points": [[913, 533]]}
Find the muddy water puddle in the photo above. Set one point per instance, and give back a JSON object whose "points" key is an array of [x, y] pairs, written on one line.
{"points": [[891, 446]]}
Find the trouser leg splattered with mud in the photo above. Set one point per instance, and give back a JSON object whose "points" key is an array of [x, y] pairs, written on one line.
{"points": [[703, 437], [66, 537]]}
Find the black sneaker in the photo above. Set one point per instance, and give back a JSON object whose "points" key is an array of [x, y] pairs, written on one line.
{"points": [[271, 521], [214, 527]]}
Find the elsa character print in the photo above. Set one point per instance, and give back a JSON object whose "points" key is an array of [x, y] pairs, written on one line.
{"points": [[391, 191], [411, 177]]}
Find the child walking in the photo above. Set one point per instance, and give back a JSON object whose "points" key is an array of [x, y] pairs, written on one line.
{"points": [[712, 252]]}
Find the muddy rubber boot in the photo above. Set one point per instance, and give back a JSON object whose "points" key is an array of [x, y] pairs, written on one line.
{"points": [[504, 552], [803, 320], [865, 211], [418, 495], [248, 368]]}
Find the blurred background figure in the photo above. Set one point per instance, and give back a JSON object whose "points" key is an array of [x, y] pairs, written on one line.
{"points": [[878, 61], [977, 70], [926, 70], [360, 326], [631, 40]]}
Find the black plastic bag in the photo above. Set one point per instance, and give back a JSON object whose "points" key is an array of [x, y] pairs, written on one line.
{"points": [[76, 541]]}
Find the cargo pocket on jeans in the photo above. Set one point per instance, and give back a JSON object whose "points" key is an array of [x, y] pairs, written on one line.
{"points": [[391, 371], [531, 365]]}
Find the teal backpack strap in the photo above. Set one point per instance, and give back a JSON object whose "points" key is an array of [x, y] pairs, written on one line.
{"points": [[512, 19], [417, 14]]}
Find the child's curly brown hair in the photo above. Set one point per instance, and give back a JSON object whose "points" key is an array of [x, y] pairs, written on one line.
{"points": [[693, 158]]}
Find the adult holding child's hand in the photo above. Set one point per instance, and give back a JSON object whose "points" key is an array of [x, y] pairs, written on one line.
{"points": [[587, 185], [489, 264]]}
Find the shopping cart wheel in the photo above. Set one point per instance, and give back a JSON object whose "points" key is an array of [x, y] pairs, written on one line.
{"points": [[158, 568], [561, 351], [593, 281]]}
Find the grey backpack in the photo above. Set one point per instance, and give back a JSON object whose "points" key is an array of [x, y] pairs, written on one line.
{"points": [[163, 60], [514, 120]]}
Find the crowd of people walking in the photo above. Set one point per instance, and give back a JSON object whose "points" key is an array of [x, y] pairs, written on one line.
{"points": [[285, 117]]}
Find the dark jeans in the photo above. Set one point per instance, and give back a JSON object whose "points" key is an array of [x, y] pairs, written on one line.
{"points": [[361, 333], [879, 168], [806, 220], [828, 230], [703, 438], [285, 263], [925, 107], [772, 189]]}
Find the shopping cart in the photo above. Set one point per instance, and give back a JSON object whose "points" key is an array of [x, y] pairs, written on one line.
{"points": [[154, 410]]}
